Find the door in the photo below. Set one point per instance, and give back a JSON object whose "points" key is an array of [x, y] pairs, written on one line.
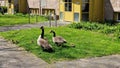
{"points": [[76, 17], [61, 16], [68, 14], [85, 10]]}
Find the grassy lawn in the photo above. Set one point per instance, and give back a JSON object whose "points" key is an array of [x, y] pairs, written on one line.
{"points": [[87, 44], [6, 20]]}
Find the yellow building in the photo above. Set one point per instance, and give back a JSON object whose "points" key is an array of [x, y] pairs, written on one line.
{"points": [[10, 6], [43, 7], [18, 6], [77, 10], [22, 6], [89, 10], [70, 10]]}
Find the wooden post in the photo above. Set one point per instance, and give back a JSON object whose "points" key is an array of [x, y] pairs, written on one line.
{"points": [[36, 18], [50, 19], [29, 15], [28, 10], [55, 17]]}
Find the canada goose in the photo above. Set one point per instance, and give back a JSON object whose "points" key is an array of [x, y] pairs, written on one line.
{"points": [[57, 39], [43, 42]]}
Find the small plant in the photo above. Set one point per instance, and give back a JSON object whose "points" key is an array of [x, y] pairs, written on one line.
{"points": [[109, 30], [117, 33], [105, 28], [86, 26], [19, 14]]}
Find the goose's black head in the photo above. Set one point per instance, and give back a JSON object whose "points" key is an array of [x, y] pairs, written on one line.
{"points": [[52, 31], [42, 27], [54, 34]]}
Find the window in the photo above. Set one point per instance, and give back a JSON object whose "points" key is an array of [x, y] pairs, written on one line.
{"points": [[61, 15], [76, 17], [68, 0], [68, 5], [85, 10], [119, 16], [85, 17], [9, 1], [85, 7], [85, 1]]}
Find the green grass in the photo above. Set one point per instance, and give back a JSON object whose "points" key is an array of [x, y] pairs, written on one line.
{"points": [[87, 44], [6, 20]]}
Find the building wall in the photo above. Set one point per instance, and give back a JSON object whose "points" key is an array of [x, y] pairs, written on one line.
{"points": [[23, 6], [112, 8], [49, 5], [11, 7], [34, 11], [76, 8], [16, 6], [96, 10], [69, 15], [3, 3], [115, 16], [34, 6], [109, 12]]}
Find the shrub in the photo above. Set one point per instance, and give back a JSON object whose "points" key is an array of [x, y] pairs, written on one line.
{"points": [[20, 14], [87, 26], [117, 32], [110, 22], [102, 28], [109, 30], [3, 9]]}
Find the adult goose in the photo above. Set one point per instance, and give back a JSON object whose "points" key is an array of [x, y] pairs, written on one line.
{"points": [[58, 40], [43, 42]]}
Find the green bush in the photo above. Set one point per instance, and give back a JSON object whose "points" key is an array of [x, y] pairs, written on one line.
{"points": [[117, 32], [102, 28], [3, 9], [87, 26], [109, 30], [21, 14], [110, 22]]}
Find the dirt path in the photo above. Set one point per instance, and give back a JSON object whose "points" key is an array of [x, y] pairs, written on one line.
{"points": [[101, 62], [12, 56], [17, 27]]}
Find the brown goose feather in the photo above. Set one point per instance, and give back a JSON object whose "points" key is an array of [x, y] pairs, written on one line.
{"points": [[58, 39], [43, 42]]}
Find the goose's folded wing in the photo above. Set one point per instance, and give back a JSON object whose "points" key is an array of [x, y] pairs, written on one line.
{"points": [[59, 39], [44, 43]]}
